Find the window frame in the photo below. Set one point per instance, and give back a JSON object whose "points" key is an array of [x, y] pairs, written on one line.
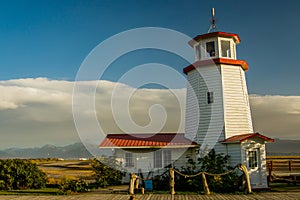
{"points": [[209, 97], [198, 52], [253, 156], [209, 54], [160, 158], [167, 157], [229, 48], [129, 160]]}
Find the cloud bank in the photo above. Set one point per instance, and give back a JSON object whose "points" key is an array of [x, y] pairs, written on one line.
{"points": [[35, 112]]}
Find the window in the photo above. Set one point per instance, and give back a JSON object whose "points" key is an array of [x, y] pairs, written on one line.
{"points": [[210, 49], [129, 160], [158, 159], [210, 97], [253, 159], [225, 49], [162, 158], [198, 52], [167, 157]]}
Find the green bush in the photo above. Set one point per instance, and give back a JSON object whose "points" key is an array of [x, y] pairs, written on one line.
{"points": [[212, 163], [106, 175], [73, 185], [216, 164], [21, 174]]}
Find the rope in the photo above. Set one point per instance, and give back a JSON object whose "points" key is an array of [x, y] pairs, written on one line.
{"points": [[207, 173], [143, 179], [221, 174], [187, 175], [194, 175]]}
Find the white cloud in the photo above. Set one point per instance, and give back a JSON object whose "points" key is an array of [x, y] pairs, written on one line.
{"points": [[34, 112], [276, 116]]}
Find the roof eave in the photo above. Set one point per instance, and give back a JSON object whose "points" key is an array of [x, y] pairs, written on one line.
{"points": [[148, 147]]}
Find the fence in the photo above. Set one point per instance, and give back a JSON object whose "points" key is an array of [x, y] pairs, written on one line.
{"points": [[285, 168], [134, 179]]}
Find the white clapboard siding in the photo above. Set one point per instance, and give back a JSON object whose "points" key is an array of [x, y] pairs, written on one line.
{"points": [[144, 161], [234, 150], [237, 114], [211, 122]]}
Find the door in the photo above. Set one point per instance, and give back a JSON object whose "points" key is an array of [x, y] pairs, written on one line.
{"points": [[254, 166]]}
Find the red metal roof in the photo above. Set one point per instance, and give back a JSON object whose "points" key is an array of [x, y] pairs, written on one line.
{"points": [[196, 39], [241, 138], [225, 61], [146, 141]]}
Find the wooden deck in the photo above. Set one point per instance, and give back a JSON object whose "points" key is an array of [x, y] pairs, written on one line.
{"points": [[263, 195]]}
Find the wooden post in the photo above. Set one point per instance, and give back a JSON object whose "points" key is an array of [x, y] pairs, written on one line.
{"points": [[269, 177], [142, 190], [243, 168], [271, 165], [172, 181], [205, 185], [132, 181], [137, 184], [290, 165]]}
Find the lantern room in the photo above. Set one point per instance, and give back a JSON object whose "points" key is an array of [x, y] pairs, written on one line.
{"points": [[215, 45]]}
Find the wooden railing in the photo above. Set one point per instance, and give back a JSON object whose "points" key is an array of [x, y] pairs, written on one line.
{"points": [[134, 180], [283, 168]]}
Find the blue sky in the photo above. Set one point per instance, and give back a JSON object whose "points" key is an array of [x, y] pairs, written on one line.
{"points": [[51, 38], [43, 43]]}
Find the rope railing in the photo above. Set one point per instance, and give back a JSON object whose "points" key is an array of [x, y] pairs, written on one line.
{"points": [[134, 179], [199, 173]]}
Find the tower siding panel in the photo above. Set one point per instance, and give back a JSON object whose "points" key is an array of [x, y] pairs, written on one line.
{"points": [[211, 122], [236, 110]]}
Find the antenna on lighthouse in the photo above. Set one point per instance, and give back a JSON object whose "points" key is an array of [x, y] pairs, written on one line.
{"points": [[213, 26]]}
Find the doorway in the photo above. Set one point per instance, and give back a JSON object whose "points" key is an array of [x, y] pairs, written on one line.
{"points": [[254, 166]]}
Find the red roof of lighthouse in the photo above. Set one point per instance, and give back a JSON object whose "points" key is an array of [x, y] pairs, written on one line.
{"points": [[227, 61], [235, 37], [146, 141], [243, 137]]}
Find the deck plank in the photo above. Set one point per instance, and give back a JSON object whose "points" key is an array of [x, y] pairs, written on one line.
{"points": [[257, 196]]}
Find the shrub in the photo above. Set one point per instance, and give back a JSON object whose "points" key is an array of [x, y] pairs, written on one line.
{"points": [[216, 164], [73, 185], [212, 163], [21, 174], [104, 174]]}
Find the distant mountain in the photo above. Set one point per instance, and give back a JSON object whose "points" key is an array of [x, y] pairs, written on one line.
{"points": [[283, 147], [76, 150]]}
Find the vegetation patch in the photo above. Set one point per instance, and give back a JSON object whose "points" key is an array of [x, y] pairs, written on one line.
{"points": [[21, 174], [104, 174], [212, 163], [73, 186]]}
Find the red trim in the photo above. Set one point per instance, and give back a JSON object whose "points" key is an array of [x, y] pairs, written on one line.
{"points": [[215, 34], [225, 61], [260, 136], [244, 137]]}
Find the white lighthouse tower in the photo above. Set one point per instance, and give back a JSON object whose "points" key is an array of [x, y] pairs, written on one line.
{"points": [[218, 113]]}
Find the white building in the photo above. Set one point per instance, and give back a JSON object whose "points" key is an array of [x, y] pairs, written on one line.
{"points": [[217, 79], [217, 116]]}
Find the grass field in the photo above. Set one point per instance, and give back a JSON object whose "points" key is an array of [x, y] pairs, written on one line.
{"points": [[58, 169]]}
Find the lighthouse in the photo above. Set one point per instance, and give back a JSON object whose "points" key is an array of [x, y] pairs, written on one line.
{"points": [[218, 113]]}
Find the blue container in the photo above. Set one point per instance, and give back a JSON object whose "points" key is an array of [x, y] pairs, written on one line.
{"points": [[148, 185]]}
